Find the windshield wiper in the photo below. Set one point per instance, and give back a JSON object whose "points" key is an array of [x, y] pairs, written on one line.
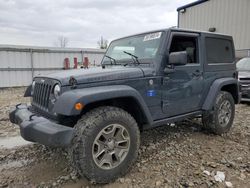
{"points": [[134, 57], [111, 59]]}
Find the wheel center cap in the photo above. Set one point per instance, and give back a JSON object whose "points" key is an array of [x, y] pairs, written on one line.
{"points": [[111, 144]]}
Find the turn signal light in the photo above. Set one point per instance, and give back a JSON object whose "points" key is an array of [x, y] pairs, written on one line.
{"points": [[79, 106]]}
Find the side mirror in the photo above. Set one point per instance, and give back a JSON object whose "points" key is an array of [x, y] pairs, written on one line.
{"points": [[178, 58]]}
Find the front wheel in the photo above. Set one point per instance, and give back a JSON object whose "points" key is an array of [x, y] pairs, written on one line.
{"points": [[105, 145], [219, 120]]}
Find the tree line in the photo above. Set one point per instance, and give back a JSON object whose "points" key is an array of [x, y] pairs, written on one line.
{"points": [[63, 42]]}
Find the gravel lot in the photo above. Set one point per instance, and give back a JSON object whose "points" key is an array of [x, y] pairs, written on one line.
{"points": [[172, 156]]}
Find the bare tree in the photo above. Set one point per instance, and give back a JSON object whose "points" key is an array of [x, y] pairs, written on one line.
{"points": [[103, 43], [62, 42]]}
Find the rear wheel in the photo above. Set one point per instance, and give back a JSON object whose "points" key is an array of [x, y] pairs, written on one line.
{"points": [[220, 119], [105, 145]]}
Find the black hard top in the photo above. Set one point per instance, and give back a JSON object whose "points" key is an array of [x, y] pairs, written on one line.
{"points": [[176, 29]]}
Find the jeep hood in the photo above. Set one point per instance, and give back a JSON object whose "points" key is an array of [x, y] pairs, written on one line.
{"points": [[96, 74]]}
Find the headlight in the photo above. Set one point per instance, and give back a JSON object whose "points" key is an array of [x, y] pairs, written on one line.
{"points": [[32, 87], [57, 90]]}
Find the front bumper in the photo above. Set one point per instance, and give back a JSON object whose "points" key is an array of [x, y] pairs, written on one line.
{"points": [[245, 94], [39, 129], [245, 99]]}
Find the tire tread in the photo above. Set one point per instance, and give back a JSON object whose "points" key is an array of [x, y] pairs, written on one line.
{"points": [[84, 129]]}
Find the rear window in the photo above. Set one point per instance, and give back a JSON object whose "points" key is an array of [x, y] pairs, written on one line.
{"points": [[219, 50]]}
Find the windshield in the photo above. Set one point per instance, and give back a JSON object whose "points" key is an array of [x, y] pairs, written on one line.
{"points": [[141, 46], [243, 64]]}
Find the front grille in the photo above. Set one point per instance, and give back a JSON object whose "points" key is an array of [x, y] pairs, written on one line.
{"points": [[247, 79], [41, 95], [245, 84]]}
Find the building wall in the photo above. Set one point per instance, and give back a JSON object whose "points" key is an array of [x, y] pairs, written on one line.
{"points": [[227, 16], [19, 64]]}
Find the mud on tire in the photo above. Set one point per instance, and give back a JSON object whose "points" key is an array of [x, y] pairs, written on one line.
{"points": [[219, 120], [91, 137]]}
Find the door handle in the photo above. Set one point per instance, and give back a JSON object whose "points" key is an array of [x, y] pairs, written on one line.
{"points": [[197, 73]]}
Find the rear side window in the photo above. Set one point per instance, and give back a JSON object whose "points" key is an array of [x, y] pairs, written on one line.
{"points": [[219, 50]]}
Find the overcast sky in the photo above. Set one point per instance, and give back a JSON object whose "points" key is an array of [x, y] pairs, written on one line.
{"points": [[40, 22]]}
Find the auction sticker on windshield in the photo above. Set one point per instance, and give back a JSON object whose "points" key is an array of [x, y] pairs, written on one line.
{"points": [[152, 36]]}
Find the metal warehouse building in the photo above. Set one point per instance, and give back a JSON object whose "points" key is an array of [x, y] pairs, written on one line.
{"points": [[223, 16], [19, 64]]}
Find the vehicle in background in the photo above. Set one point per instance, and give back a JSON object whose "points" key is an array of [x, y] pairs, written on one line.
{"points": [[243, 67]]}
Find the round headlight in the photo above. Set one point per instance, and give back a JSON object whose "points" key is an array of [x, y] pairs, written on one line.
{"points": [[32, 87], [57, 90]]}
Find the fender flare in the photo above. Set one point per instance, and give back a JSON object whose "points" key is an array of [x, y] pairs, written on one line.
{"points": [[215, 88], [65, 103]]}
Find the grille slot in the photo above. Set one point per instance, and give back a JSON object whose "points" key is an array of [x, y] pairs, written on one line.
{"points": [[41, 95], [247, 79]]}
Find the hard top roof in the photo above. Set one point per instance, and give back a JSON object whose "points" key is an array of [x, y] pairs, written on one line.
{"points": [[177, 30]]}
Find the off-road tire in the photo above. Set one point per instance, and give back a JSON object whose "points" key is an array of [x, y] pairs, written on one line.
{"points": [[86, 130], [210, 119]]}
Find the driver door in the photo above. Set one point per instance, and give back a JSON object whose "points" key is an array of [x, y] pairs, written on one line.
{"points": [[182, 89]]}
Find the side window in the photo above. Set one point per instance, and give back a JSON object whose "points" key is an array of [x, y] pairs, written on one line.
{"points": [[188, 44], [219, 50]]}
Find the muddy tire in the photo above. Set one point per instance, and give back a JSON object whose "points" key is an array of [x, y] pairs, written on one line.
{"points": [[220, 119], [105, 144]]}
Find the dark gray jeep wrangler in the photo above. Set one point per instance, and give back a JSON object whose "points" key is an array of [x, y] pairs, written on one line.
{"points": [[146, 80]]}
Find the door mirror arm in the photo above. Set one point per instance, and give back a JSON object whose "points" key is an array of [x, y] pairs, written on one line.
{"points": [[169, 69]]}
